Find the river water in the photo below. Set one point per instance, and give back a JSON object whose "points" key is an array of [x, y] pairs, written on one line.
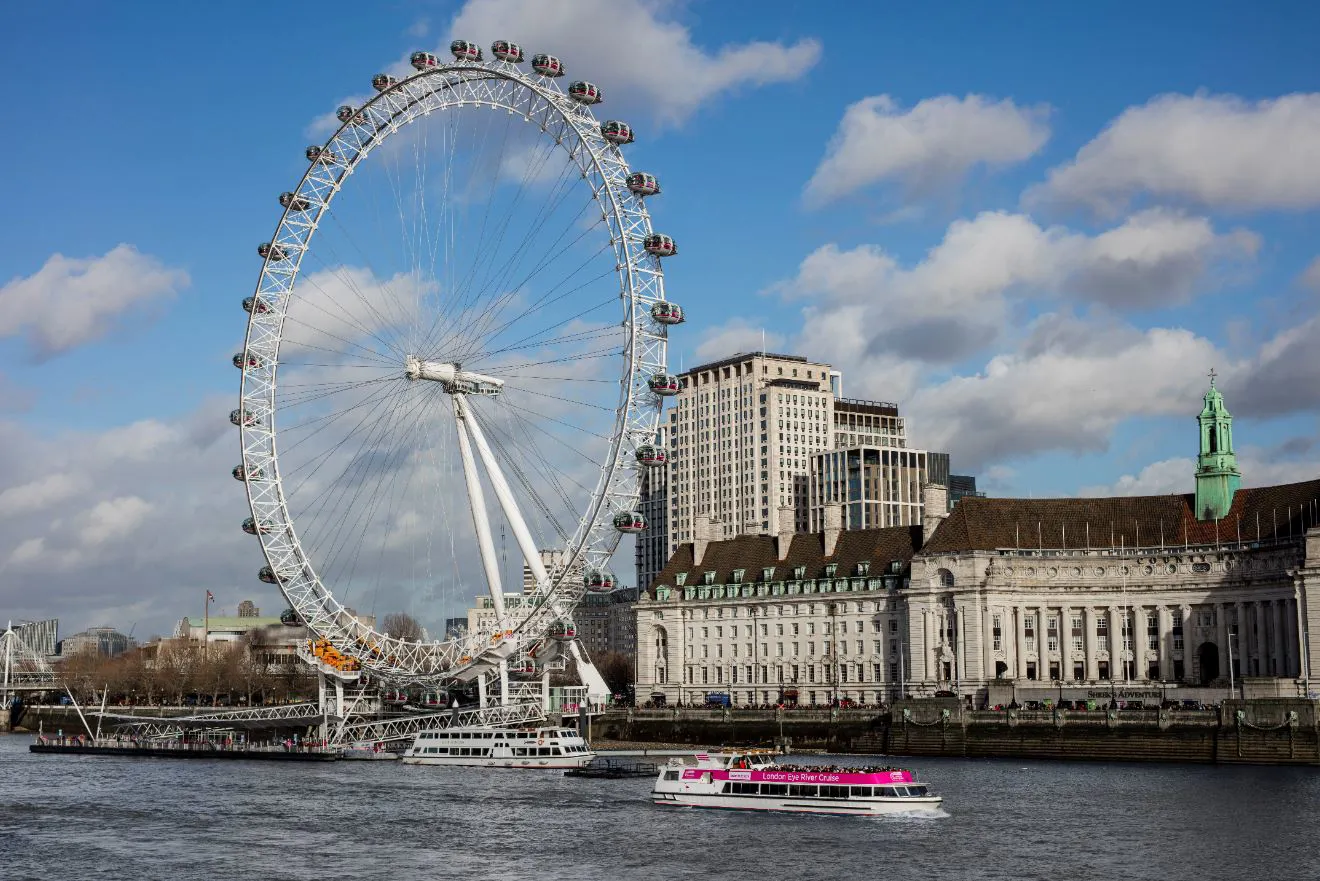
{"points": [[69, 818]]}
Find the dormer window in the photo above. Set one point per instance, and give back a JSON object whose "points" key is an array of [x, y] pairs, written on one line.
{"points": [[830, 569], [737, 576], [799, 572], [864, 567], [708, 577], [680, 579], [768, 573], [895, 567]]}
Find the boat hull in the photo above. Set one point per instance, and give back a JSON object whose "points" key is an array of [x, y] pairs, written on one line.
{"points": [[547, 764], [838, 807]]}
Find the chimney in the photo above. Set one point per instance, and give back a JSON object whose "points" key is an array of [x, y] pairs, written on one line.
{"points": [[935, 507], [787, 526], [833, 526], [704, 529]]}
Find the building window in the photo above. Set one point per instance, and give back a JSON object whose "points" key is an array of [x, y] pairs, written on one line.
{"points": [[1102, 628], [997, 632]]}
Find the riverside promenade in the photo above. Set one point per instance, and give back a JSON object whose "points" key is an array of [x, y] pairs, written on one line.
{"points": [[1265, 731], [285, 751]]}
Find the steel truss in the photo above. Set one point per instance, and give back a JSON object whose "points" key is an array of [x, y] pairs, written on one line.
{"points": [[538, 100]]}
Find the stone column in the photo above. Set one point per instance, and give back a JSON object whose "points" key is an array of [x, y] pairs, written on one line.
{"points": [[1020, 614], [1166, 642], [1088, 643], [1261, 643], [1292, 628], [1065, 643], [988, 641], [1277, 642], [928, 665], [1241, 645], [1188, 646], [1115, 644], [1221, 613]]}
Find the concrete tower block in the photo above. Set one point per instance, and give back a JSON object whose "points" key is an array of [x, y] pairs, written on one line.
{"points": [[935, 507], [833, 526]]}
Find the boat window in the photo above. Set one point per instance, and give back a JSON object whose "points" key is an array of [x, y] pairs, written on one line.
{"points": [[671, 775], [917, 790], [556, 751], [834, 792], [520, 751], [802, 791], [774, 789], [859, 791]]}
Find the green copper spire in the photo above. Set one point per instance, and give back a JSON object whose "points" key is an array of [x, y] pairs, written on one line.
{"points": [[1217, 475]]}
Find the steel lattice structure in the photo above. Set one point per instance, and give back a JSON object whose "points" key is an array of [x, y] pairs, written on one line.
{"points": [[565, 118]]}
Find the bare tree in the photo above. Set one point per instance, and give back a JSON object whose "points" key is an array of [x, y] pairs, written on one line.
{"points": [[401, 625]]}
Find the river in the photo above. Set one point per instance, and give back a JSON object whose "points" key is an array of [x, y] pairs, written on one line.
{"points": [[67, 818]]}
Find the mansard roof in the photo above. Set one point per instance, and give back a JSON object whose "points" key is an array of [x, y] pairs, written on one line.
{"points": [[1261, 513], [753, 553]]}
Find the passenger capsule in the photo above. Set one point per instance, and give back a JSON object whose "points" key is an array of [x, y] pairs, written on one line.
{"points": [[267, 251], [651, 456], [251, 528], [241, 473], [667, 313], [524, 665], [465, 51], [664, 384], [323, 155], [616, 132], [347, 114], [506, 51], [660, 245], [643, 184], [629, 522], [562, 630], [255, 304], [246, 360], [424, 61], [584, 92], [382, 81], [598, 579], [267, 574], [294, 202], [243, 417], [547, 65], [290, 618]]}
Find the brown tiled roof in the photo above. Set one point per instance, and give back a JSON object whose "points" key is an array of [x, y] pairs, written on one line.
{"points": [[753, 553], [1124, 521]]}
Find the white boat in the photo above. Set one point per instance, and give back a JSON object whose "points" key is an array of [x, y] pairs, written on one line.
{"points": [[752, 781], [485, 747]]}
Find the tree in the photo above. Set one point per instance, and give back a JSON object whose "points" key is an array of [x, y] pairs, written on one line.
{"points": [[401, 625], [616, 668]]}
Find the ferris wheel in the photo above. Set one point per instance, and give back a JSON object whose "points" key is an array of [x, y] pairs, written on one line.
{"points": [[457, 342]]}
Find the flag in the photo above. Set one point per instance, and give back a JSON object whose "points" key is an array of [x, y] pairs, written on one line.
{"points": [[210, 597]]}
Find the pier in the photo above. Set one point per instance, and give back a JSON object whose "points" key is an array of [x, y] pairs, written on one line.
{"points": [[277, 752]]}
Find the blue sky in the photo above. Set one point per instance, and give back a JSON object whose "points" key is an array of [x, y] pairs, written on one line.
{"points": [[1035, 226]]}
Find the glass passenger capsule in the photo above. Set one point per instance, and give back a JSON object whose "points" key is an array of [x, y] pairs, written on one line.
{"points": [[267, 251], [267, 575], [547, 65], [251, 528], [346, 113], [616, 132], [643, 184], [651, 455], [323, 155], [424, 60], [629, 522], [506, 51], [465, 51], [245, 360], [290, 618], [382, 81], [294, 202], [584, 92], [660, 245], [562, 630], [255, 304], [664, 384], [667, 313], [525, 665], [243, 417], [598, 579], [240, 473]]}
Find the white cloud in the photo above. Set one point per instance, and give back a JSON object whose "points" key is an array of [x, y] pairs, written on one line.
{"points": [[71, 301], [735, 336], [1066, 388], [40, 493], [1310, 277], [1212, 150], [959, 299], [1165, 477], [113, 519], [933, 144], [632, 53]]}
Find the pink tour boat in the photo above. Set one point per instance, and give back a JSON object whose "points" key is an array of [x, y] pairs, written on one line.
{"points": [[752, 781]]}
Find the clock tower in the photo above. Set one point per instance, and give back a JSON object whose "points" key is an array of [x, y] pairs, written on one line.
{"points": [[1217, 475]]}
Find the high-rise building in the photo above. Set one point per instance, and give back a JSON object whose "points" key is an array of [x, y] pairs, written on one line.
{"points": [[247, 609], [962, 486], [553, 561], [876, 486], [867, 423], [742, 433], [652, 549]]}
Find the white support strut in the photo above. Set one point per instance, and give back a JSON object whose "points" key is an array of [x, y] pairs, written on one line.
{"points": [[477, 500]]}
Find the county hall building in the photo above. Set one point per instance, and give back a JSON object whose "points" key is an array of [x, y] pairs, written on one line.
{"points": [[1175, 596]]}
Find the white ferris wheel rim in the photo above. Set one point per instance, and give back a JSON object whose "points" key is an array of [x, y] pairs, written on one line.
{"points": [[444, 87]]}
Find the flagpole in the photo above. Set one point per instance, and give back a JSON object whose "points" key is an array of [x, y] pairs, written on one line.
{"points": [[206, 621]]}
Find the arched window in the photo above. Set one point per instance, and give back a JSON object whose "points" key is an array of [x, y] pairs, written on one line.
{"points": [[945, 578]]}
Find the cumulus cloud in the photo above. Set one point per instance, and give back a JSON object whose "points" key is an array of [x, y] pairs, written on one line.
{"points": [[959, 298], [40, 493], [1282, 377], [930, 145], [1310, 277], [736, 335], [1219, 151], [1066, 388], [71, 301], [1260, 467]]}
